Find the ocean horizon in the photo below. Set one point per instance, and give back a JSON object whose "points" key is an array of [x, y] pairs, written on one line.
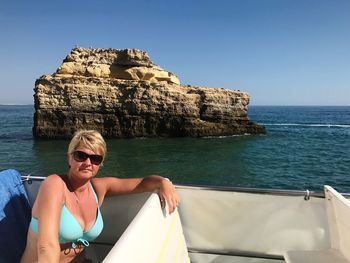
{"points": [[305, 147], [253, 105]]}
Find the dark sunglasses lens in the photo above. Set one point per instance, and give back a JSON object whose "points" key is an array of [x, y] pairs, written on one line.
{"points": [[96, 159], [80, 156]]}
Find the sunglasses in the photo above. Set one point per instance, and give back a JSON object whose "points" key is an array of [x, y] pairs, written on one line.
{"points": [[80, 156]]}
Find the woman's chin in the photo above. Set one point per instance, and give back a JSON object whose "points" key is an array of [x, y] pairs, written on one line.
{"points": [[86, 173]]}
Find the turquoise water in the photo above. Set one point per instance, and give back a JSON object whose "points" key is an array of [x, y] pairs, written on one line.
{"points": [[304, 148]]}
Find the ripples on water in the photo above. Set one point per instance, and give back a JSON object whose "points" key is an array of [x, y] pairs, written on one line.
{"points": [[304, 148]]}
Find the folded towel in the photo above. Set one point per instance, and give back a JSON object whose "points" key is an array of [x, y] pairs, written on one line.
{"points": [[15, 215]]}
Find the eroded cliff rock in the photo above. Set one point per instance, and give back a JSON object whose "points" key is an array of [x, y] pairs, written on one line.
{"points": [[123, 94]]}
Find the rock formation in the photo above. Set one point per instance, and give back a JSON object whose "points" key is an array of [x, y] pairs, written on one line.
{"points": [[123, 94]]}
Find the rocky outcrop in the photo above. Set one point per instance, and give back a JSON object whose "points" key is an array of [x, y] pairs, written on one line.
{"points": [[127, 64], [123, 94]]}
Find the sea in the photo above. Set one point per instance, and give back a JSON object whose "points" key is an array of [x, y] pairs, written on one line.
{"points": [[305, 147]]}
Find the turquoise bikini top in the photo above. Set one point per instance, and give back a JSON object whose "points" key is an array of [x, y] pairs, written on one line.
{"points": [[70, 230]]}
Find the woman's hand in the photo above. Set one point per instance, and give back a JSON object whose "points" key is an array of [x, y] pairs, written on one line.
{"points": [[168, 195]]}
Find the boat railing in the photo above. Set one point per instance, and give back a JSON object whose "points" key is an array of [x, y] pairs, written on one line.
{"points": [[306, 193], [28, 177], [284, 192]]}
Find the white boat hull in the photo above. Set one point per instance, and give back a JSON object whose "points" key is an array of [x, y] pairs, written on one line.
{"points": [[224, 225]]}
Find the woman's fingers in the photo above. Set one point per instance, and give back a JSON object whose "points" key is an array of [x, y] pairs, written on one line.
{"points": [[169, 196], [162, 201]]}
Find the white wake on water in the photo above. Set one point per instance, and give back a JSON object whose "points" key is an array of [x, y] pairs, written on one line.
{"points": [[325, 125]]}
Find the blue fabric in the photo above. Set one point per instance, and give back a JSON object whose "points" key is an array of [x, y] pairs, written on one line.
{"points": [[15, 214]]}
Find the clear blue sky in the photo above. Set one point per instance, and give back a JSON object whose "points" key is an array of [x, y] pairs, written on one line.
{"points": [[282, 52]]}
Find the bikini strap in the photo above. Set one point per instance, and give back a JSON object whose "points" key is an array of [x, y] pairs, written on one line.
{"points": [[93, 190]]}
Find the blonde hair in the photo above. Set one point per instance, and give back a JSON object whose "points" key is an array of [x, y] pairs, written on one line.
{"points": [[90, 139]]}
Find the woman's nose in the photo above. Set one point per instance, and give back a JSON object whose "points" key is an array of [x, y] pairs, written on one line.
{"points": [[87, 161]]}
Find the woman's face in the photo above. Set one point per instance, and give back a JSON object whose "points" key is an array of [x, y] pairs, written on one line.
{"points": [[84, 162]]}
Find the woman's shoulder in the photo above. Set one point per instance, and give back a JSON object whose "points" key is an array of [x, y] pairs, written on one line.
{"points": [[54, 178], [104, 181], [101, 185], [54, 181], [52, 188]]}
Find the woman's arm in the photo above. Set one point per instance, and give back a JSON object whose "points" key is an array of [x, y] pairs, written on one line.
{"points": [[48, 208], [110, 186]]}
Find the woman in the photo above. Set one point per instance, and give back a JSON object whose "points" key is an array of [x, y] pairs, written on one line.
{"points": [[66, 214]]}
